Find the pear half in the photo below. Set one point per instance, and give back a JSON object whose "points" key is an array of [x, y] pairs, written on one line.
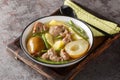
{"points": [[77, 49]]}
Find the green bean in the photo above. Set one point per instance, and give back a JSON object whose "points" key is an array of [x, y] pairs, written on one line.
{"points": [[45, 41], [50, 62], [77, 30], [58, 37]]}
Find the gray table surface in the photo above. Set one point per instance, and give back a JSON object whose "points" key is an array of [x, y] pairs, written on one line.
{"points": [[16, 14]]}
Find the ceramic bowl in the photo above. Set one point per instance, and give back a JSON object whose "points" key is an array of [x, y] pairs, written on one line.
{"points": [[29, 28]]}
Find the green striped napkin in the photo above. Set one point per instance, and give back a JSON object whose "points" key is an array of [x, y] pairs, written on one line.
{"points": [[107, 26]]}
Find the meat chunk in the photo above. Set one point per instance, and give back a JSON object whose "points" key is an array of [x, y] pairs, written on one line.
{"points": [[54, 58], [39, 27], [51, 52], [62, 31], [63, 34], [67, 38], [56, 30], [45, 56], [64, 55], [52, 55]]}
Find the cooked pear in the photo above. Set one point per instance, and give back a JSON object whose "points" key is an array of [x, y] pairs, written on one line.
{"points": [[35, 45], [77, 49]]}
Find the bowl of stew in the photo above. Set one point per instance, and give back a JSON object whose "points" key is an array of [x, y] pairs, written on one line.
{"points": [[56, 41]]}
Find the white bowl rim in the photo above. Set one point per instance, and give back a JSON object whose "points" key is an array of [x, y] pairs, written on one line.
{"points": [[55, 65]]}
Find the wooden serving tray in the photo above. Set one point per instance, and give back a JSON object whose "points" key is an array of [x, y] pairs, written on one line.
{"points": [[66, 73]]}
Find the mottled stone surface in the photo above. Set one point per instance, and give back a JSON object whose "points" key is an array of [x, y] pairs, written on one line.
{"points": [[16, 14]]}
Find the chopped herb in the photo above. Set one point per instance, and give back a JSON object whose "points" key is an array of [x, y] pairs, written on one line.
{"points": [[58, 37], [43, 51]]}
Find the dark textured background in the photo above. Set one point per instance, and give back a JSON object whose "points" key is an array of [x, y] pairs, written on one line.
{"points": [[107, 66], [16, 14]]}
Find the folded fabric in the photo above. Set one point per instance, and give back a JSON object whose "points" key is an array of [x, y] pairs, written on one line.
{"points": [[104, 25]]}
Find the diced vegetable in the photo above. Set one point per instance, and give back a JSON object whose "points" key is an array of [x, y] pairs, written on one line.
{"points": [[54, 23], [58, 45]]}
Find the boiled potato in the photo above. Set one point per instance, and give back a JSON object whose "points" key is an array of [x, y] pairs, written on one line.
{"points": [[58, 45], [55, 22], [77, 49], [35, 45]]}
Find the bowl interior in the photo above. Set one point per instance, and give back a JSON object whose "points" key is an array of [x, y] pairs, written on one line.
{"points": [[27, 30]]}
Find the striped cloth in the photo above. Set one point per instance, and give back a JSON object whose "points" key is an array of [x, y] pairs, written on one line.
{"points": [[107, 26]]}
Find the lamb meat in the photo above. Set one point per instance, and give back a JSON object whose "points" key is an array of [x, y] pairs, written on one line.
{"points": [[56, 30], [39, 27]]}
